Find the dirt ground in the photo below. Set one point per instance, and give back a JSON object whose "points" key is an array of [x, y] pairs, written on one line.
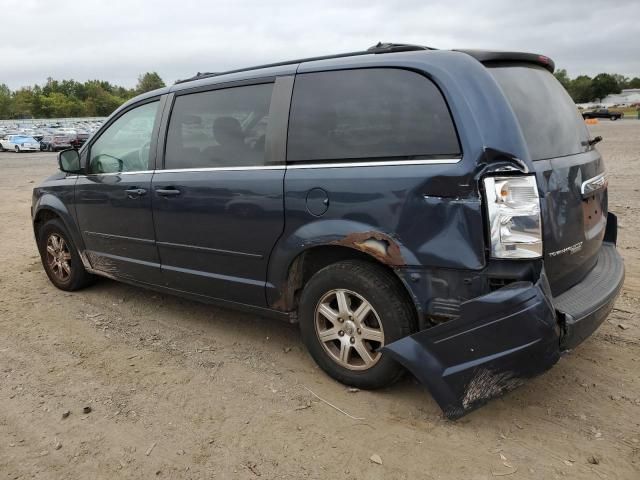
{"points": [[179, 389]]}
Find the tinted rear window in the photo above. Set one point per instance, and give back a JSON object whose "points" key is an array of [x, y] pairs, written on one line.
{"points": [[368, 114], [550, 121]]}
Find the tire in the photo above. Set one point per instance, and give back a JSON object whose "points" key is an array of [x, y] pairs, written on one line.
{"points": [[392, 315], [2, 148], [49, 148], [69, 279], [613, 119], [17, 149]]}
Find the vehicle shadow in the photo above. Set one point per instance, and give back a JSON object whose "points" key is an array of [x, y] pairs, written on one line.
{"points": [[190, 325]]}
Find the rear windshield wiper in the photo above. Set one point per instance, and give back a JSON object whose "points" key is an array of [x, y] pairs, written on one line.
{"points": [[595, 140]]}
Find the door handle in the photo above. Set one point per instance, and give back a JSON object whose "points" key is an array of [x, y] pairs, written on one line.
{"points": [[168, 192], [135, 192]]}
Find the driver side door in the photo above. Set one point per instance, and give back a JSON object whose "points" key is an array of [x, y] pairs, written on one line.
{"points": [[113, 198]]}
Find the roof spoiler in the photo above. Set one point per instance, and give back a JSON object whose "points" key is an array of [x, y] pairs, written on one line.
{"points": [[485, 56]]}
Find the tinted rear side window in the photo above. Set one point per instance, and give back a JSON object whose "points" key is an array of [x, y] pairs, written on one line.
{"points": [[368, 114], [548, 118], [219, 129]]}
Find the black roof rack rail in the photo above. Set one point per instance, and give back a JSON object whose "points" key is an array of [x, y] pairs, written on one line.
{"points": [[396, 47], [197, 76], [378, 48]]}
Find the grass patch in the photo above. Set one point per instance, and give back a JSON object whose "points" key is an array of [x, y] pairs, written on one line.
{"points": [[631, 112]]}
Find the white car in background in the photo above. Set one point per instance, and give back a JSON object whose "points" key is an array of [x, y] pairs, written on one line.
{"points": [[19, 143]]}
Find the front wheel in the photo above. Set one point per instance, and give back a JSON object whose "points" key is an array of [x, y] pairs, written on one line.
{"points": [[60, 258], [17, 149], [350, 310], [613, 119]]}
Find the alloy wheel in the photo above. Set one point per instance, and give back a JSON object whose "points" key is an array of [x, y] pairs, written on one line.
{"points": [[349, 329], [58, 257]]}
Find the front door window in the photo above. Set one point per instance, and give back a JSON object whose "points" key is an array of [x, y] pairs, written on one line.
{"points": [[125, 145]]}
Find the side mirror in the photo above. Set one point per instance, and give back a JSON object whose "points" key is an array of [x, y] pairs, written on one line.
{"points": [[69, 161]]}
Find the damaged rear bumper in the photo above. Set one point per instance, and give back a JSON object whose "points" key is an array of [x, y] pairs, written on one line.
{"points": [[508, 335]]}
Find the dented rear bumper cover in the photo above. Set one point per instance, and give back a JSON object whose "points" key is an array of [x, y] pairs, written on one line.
{"points": [[506, 336]]}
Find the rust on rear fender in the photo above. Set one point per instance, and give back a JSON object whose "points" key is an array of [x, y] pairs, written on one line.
{"points": [[380, 246]]}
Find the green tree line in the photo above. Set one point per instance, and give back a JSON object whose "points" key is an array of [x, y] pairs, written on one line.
{"points": [[584, 89], [68, 98], [99, 98]]}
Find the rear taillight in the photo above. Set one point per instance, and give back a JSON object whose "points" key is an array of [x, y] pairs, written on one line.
{"points": [[513, 208]]}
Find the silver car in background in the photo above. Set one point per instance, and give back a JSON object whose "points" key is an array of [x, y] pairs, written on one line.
{"points": [[19, 143]]}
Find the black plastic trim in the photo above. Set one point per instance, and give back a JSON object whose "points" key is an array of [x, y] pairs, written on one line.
{"points": [[586, 305], [611, 230]]}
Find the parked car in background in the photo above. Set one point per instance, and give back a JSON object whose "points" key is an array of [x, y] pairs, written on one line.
{"points": [[30, 132], [19, 143], [6, 133], [39, 135], [603, 113], [67, 131], [79, 139], [53, 143]]}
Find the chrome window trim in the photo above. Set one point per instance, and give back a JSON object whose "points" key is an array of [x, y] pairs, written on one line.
{"points": [[222, 169], [318, 165], [388, 163], [594, 184], [107, 174], [382, 163]]}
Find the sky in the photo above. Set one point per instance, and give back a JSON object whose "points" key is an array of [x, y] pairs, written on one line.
{"points": [[117, 40]]}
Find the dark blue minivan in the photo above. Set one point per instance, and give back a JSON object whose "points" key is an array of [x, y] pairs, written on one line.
{"points": [[411, 208]]}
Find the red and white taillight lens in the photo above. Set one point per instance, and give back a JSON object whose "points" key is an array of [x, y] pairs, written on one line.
{"points": [[513, 208]]}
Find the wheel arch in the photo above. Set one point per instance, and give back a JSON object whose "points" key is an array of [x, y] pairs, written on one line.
{"points": [[51, 207], [371, 247]]}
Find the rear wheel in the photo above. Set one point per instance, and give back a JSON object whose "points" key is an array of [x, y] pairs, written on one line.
{"points": [[613, 119], [17, 148], [60, 258], [350, 310]]}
